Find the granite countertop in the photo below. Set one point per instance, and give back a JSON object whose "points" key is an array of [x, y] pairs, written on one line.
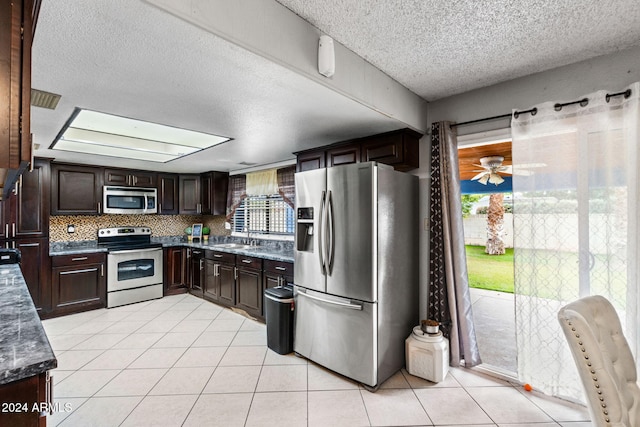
{"points": [[24, 347], [267, 249]]}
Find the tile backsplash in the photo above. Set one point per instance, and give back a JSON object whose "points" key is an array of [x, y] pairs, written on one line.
{"points": [[86, 226]]}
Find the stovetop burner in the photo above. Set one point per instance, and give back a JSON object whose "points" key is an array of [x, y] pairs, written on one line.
{"points": [[124, 238]]}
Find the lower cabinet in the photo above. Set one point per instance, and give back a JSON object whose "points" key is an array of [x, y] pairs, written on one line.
{"points": [[175, 271], [225, 278], [277, 273], [27, 396], [249, 285], [78, 283], [196, 276], [219, 278], [36, 269]]}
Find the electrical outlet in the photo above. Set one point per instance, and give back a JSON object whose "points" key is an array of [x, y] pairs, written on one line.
{"points": [[71, 228]]}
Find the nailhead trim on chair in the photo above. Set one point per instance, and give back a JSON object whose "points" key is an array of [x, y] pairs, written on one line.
{"points": [[594, 378]]}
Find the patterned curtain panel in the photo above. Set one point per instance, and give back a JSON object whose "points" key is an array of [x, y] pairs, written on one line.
{"points": [[576, 224], [449, 296], [287, 185], [237, 191]]}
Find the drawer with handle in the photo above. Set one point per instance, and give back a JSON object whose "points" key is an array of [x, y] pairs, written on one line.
{"points": [[248, 262], [83, 258], [224, 257], [278, 267]]}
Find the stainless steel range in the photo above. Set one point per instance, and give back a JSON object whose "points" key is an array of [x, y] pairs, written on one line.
{"points": [[134, 265]]}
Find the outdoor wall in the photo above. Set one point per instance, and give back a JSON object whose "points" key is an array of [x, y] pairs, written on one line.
{"points": [[475, 230]]}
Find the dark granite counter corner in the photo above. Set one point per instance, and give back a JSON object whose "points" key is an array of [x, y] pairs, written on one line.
{"points": [[24, 347]]}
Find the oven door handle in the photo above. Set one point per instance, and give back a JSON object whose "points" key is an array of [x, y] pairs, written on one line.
{"points": [[129, 251]]}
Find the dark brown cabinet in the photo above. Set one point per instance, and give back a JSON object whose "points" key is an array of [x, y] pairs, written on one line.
{"points": [[277, 273], [168, 194], [30, 391], [344, 155], [78, 282], [309, 160], [36, 267], [129, 178], [16, 33], [196, 276], [249, 285], [25, 225], [76, 190], [214, 192], [189, 195], [399, 149], [175, 271], [219, 277]]}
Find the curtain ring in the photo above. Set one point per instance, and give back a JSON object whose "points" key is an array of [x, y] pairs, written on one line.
{"points": [[557, 107], [584, 102], [534, 111], [516, 114]]}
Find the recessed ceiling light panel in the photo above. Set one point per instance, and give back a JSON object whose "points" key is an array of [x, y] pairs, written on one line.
{"points": [[97, 133]]}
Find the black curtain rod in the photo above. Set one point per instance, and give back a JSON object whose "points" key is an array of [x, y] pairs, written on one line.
{"points": [[583, 103]]}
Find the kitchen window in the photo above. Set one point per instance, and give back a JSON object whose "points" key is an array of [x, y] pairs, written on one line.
{"points": [[264, 215]]}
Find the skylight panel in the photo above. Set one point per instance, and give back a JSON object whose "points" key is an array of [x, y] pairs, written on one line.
{"points": [[92, 132]]}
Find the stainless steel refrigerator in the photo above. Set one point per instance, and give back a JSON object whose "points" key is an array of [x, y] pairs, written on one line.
{"points": [[356, 275]]}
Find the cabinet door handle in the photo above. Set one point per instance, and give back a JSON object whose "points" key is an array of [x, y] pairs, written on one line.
{"points": [[217, 256], [99, 210], [159, 207], [79, 258], [101, 270], [201, 263], [246, 261], [215, 270], [235, 273], [13, 229], [188, 253], [49, 392], [281, 268]]}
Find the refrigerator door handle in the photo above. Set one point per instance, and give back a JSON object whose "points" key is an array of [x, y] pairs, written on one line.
{"points": [[341, 304], [331, 235], [321, 242]]}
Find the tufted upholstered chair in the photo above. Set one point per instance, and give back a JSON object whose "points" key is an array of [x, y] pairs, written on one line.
{"points": [[604, 361]]}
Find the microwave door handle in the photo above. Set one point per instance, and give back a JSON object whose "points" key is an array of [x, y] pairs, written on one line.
{"points": [[146, 203]]}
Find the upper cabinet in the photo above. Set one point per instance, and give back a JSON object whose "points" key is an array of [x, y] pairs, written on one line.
{"points": [[129, 178], [203, 194], [214, 192], [190, 203], [76, 190], [397, 148], [168, 194], [16, 33]]}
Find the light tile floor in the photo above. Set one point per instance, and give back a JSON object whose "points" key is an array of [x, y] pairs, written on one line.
{"points": [[181, 361]]}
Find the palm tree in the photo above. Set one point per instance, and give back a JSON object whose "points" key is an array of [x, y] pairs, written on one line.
{"points": [[495, 225]]}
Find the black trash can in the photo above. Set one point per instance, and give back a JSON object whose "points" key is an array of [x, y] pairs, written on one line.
{"points": [[278, 315]]}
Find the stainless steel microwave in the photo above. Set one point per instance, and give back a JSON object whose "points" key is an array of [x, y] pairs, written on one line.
{"points": [[129, 200]]}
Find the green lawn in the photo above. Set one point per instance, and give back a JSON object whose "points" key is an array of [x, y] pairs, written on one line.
{"points": [[492, 272]]}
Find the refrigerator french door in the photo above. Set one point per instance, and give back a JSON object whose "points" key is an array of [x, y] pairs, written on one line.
{"points": [[356, 268]]}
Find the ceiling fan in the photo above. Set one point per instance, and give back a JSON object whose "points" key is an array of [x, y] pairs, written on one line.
{"points": [[491, 168]]}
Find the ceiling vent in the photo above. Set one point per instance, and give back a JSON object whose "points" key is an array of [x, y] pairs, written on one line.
{"points": [[42, 99]]}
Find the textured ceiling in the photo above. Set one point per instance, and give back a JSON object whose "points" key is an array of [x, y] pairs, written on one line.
{"points": [[439, 48], [128, 58]]}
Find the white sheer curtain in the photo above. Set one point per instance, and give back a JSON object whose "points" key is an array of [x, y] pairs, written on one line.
{"points": [[576, 225]]}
